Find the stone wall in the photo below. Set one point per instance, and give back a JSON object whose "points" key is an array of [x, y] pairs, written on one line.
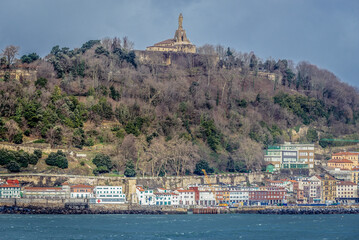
{"points": [[20, 74], [30, 147]]}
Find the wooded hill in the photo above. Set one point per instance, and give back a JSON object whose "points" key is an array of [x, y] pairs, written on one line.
{"points": [[162, 119]]}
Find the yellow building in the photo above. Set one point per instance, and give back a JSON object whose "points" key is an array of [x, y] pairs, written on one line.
{"points": [[180, 42], [329, 187], [343, 164], [351, 156], [355, 175]]}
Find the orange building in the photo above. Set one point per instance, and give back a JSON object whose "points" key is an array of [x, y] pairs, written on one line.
{"points": [[343, 164], [351, 156], [81, 191]]}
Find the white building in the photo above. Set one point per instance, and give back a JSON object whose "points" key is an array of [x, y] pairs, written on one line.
{"points": [[186, 197], [10, 190], [290, 155], [46, 192], [346, 189], [164, 199], [206, 198], [145, 197], [109, 195], [238, 196]]}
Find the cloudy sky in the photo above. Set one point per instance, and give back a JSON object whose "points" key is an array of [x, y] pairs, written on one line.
{"points": [[323, 32]]}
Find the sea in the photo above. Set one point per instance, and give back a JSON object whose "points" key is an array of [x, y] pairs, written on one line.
{"points": [[230, 226]]}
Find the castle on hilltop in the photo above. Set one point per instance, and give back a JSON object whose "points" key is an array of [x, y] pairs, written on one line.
{"points": [[180, 42]]}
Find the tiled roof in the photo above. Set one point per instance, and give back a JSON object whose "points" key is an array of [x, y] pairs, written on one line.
{"points": [[345, 183], [43, 188], [13, 181], [168, 41], [81, 186], [6, 185], [339, 161], [140, 189], [179, 190], [345, 153]]}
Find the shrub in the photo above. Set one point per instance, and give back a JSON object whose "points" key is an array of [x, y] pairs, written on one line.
{"points": [[102, 160], [33, 159], [101, 169], [13, 167], [203, 164], [38, 153], [57, 159], [130, 169], [40, 141], [18, 138], [27, 132]]}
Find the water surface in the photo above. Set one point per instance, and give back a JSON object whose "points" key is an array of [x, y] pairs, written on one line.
{"points": [[233, 226]]}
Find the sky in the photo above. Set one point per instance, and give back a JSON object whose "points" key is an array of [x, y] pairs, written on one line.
{"points": [[322, 32]]}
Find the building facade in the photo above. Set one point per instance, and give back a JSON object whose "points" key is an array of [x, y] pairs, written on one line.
{"points": [[343, 164], [46, 192], [145, 197], [351, 156], [81, 191], [186, 197], [346, 189], [329, 189], [355, 175], [290, 156], [108, 195], [10, 189]]}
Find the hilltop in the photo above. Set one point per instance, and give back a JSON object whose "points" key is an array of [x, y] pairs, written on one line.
{"points": [[161, 119]]}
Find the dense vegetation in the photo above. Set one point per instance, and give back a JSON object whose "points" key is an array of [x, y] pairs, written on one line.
{"points": [[160, 120], [15, 160]]}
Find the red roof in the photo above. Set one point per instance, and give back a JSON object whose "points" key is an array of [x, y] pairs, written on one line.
{"points": [[42, 188], [82, 186], [6, 185], [164, 193], [339, 161], [140, 189], [179, 190], [345, 153], [13, 181], [345, 183]]}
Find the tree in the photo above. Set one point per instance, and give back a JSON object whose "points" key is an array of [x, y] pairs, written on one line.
{"points": [[18, 138], [101, 160], [13, 167], [78, 138], [10, 53], [29, 58], [41, 82], [312, 135], [38, 153], [54, 136], [57, 159], [130, 169], [203, 164]]}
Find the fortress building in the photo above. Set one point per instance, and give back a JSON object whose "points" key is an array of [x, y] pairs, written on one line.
{"points": [[180, 42]]}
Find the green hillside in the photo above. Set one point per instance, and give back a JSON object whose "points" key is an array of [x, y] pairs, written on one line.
{"points": [[154, 120]]}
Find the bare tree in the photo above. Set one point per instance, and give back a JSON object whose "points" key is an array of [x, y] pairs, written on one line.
{"points": [[10, 53]]}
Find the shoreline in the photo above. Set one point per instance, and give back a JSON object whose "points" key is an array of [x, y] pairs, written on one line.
{"points": [[175, 211]]}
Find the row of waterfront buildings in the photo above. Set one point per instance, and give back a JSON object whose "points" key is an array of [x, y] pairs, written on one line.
{"points": [[94, 194], [311, 190]]}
